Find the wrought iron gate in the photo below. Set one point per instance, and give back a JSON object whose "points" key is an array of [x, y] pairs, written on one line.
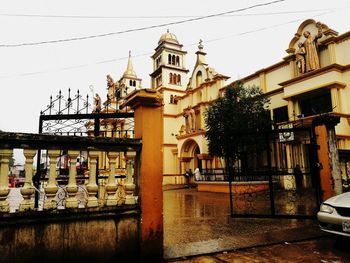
{"points": [[277, 176], [73, 115]]}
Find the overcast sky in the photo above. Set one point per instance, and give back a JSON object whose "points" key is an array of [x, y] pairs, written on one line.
{"points": [[30, 74]]}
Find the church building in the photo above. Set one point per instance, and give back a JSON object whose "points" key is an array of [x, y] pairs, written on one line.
{"points": [[311, 80]]}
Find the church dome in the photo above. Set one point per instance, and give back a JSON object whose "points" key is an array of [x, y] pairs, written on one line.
{"points": [[168, 37]]}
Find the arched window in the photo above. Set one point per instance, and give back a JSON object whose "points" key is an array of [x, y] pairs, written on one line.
{"points": [[177, 61], [117, 94], [130, 83], [171, 78], [169, 59], [178, 80], [158, 61], [134, 83], [173, 60], [198, 78]]}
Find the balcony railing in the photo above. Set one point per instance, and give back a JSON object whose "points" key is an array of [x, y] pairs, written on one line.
{"points": [[87, 191]]}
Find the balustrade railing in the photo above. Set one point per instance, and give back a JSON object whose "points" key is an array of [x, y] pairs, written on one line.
{"points": [[76, 191]]}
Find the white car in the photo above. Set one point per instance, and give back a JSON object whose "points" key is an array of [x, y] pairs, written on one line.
{"points": [[334, 215]]}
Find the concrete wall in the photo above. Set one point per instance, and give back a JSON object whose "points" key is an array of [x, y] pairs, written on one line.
{"points": [[113, 239]]}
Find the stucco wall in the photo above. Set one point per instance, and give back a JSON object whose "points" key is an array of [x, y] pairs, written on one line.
{"points": [[342, 52], [105, 240], [273, 78]]}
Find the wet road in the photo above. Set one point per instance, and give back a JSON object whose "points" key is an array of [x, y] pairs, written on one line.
{"points": [[199, 222], [324, 250]]}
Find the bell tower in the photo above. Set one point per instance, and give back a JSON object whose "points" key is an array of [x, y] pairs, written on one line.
{"points": [[169, 67], [129, 81]]}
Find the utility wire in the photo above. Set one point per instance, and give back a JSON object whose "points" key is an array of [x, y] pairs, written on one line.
{"points": [[141, 28], [150, 53], [153, 17]]}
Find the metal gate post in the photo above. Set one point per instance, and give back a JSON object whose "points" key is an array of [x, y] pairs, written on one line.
{"points": [[36, 177], [230, 172], [272, 198]]}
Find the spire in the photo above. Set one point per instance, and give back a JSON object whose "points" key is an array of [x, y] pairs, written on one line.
{"points": [[129, 72], [200, 53]]}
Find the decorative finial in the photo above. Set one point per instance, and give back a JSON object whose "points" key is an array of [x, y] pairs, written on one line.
{"points": [[200, 46], [167, 30], [129, 53]]}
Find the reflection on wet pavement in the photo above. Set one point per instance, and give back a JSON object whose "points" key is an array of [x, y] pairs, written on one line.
{"points": [[324, 250], [200, 222]]}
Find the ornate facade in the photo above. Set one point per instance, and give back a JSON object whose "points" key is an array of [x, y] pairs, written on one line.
{"points": [[311, 80]]}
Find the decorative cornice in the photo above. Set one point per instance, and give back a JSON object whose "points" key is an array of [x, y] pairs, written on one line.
{"points": [[330, 85], [273, 92], [160, 48], [171, 89], [312, 74], [159, 69], [144, 97], [342, 136], [189, 135]]}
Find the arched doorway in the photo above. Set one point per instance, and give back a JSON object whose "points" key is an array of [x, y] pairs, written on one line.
{"points": [[189, 156]]}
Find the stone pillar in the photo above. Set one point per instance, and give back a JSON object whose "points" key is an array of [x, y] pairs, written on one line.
{"points": [[291, 109], [149, 126], [332, 53], [28, 190], [330, 177], [72, 188], [51, 187], [129, 186], [5, 155], [111, 186], [335, 100], [92, 187]]}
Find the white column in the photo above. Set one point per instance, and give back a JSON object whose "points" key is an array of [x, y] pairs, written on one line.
{"points": [[111, 186], [27, 190], [335, 100], [129, 186], [72, 188], [51, 187], [5, 155], [92, 187]]}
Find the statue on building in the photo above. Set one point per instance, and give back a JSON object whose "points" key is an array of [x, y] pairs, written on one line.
{"points": [[97, 104], [110, 87], [190, 119], [310, 45], [300, 58], [182, 130], [186, 115]]}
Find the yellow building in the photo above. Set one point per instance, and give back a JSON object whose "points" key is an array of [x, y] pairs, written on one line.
{"points": [[185, 97], [311, 80]]}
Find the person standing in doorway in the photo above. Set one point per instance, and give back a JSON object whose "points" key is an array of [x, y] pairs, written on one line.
{"points": [[189, 176], [197, 174]]}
